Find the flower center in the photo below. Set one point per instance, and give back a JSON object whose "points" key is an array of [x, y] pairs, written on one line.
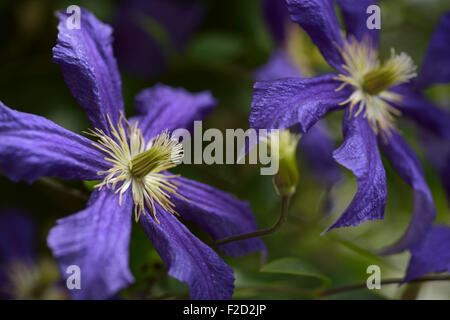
{"points": [[139, 165], [371, 81]]}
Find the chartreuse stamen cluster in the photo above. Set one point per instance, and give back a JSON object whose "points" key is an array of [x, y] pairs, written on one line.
{"points": [[140, 166], [284, 142], [371, 81]]}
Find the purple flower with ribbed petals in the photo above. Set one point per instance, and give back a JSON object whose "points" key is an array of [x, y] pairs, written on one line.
{"points": [[316, 145], [366, 89], [431, 255], [131, 158]]}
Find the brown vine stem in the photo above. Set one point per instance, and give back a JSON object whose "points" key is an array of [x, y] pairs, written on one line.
{"points": [[263, 232], [359, 286], [58, 186], [329, 292], [286, 290]]}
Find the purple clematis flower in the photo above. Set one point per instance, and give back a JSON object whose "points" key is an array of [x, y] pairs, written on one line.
{"points": [[131, 158], [149, 33], [316, 145], [431, 255], [368, 92]]}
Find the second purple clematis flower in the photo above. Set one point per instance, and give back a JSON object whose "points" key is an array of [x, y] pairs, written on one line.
{"points": [[131, 158], [365, 88], [316, 145]]}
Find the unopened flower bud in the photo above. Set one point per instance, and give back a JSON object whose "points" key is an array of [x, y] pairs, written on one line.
{"points": [[286, 180]]}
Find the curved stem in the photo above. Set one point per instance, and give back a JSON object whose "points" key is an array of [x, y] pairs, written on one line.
{"points": [[359, 286], [269, 289], [68, 190], [263, 232], [329, 292]]}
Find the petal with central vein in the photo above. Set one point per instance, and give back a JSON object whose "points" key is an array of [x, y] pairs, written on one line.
{"points": [[407, 165], [188, 259], [355, 16], [89, 67], [32, 147], [163, 107], [282, 103], [97, 241], [318, 18], [359, 153]]}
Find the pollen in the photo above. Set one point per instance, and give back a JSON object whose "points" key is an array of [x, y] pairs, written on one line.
{"points": [[140, 166], [371, 81]]}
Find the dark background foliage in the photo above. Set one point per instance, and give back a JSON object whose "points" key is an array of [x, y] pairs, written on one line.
{"points": [[230, 42]]}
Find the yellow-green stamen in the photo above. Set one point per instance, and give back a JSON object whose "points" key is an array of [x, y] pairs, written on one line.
{"points": [[164, 153], [139, 166], [371, 81]]}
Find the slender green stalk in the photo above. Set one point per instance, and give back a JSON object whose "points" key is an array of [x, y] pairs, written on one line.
{"points": [[360, 286], [333, 291], [66, 189], [264, 232]]}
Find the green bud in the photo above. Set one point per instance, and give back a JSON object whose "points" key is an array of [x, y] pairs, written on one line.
{"points": [[286, 180]]}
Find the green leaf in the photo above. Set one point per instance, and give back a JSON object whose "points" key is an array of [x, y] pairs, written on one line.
{"points": [[216, 47], [297, 267]]}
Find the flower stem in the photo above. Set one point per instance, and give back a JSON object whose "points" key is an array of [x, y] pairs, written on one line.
{"points": [[264, 232], [329, 292], [359, 286], [60, 187]]}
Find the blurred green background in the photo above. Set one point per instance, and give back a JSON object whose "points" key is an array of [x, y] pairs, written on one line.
{"points": [[232, 40]]}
